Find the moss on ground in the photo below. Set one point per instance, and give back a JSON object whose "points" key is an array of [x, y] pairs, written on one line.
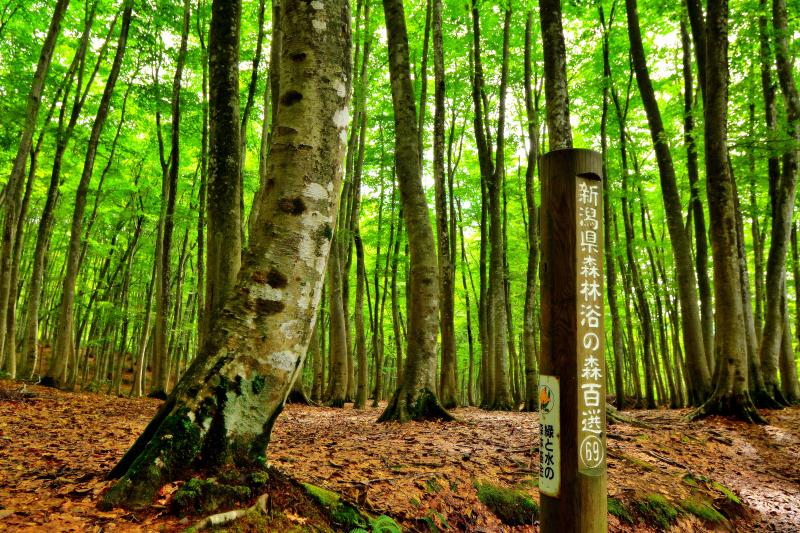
{"points": [[208, 496], [703, 510], [656, 511], [728, 493], [347, 517], [618, 509], [513, 506]]}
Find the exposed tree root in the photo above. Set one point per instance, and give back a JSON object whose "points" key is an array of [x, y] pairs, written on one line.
{"points": [[764, 400], [501, 406], [613, 416], [338, 404], [739, 406], [227, 517], [414, 405]]}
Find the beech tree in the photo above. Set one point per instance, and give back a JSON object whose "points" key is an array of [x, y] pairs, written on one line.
{"points": [[730, 394], [222, 410], [415, 397]]}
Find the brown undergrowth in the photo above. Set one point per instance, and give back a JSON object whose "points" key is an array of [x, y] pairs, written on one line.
{"points": [[56, 448]]}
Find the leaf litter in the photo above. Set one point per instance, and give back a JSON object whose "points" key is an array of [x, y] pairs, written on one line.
{"points": [[56, 448]]}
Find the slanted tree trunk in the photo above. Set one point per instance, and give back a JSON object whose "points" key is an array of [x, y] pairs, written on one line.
{"points": [[161, 365], [29, 360], [223, 409], [415, 397], [611, 273], [730, 391], [681, 249], [14, 187], [63, 346]]}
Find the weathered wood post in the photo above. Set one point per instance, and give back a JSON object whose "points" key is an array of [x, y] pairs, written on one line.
{"points": [[572, 389]]}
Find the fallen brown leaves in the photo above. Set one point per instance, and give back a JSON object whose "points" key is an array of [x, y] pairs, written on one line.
{"points": [[56, 447], [55, 450]]}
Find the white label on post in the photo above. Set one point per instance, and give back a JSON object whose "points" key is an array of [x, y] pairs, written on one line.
{"points": [[549, 436]]}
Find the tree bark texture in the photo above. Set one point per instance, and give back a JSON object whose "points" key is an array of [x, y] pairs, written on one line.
{"points": [[222, 410], [730, 395], [447, 383], [555, 75], [415, 396], [224, 242]]}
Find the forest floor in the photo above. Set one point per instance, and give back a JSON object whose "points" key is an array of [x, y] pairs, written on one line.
{"points": [[56, 448]]}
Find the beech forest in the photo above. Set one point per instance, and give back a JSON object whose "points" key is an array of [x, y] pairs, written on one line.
{"points": [[399, 265]]}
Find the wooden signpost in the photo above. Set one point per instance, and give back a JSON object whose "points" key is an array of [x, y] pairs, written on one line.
{"points": [[572, 386]]}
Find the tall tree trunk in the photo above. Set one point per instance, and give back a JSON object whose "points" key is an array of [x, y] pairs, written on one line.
{"points": [[223, 409], [790, 386], [415, 396], [730, 395], [681, 250], [531, 397], [447, 384], [398, 337], [501, 396], [224, 212], [316, 358], [248, 107], [63, 346], [486, 168], [783, 209], [202, 325], [337, 390], [471, 360], [380, 297], [696, 206]]}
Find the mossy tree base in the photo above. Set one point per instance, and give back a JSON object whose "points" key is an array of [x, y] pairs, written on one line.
{"points": [[739, 406], [220, 426], [421, 404]]}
